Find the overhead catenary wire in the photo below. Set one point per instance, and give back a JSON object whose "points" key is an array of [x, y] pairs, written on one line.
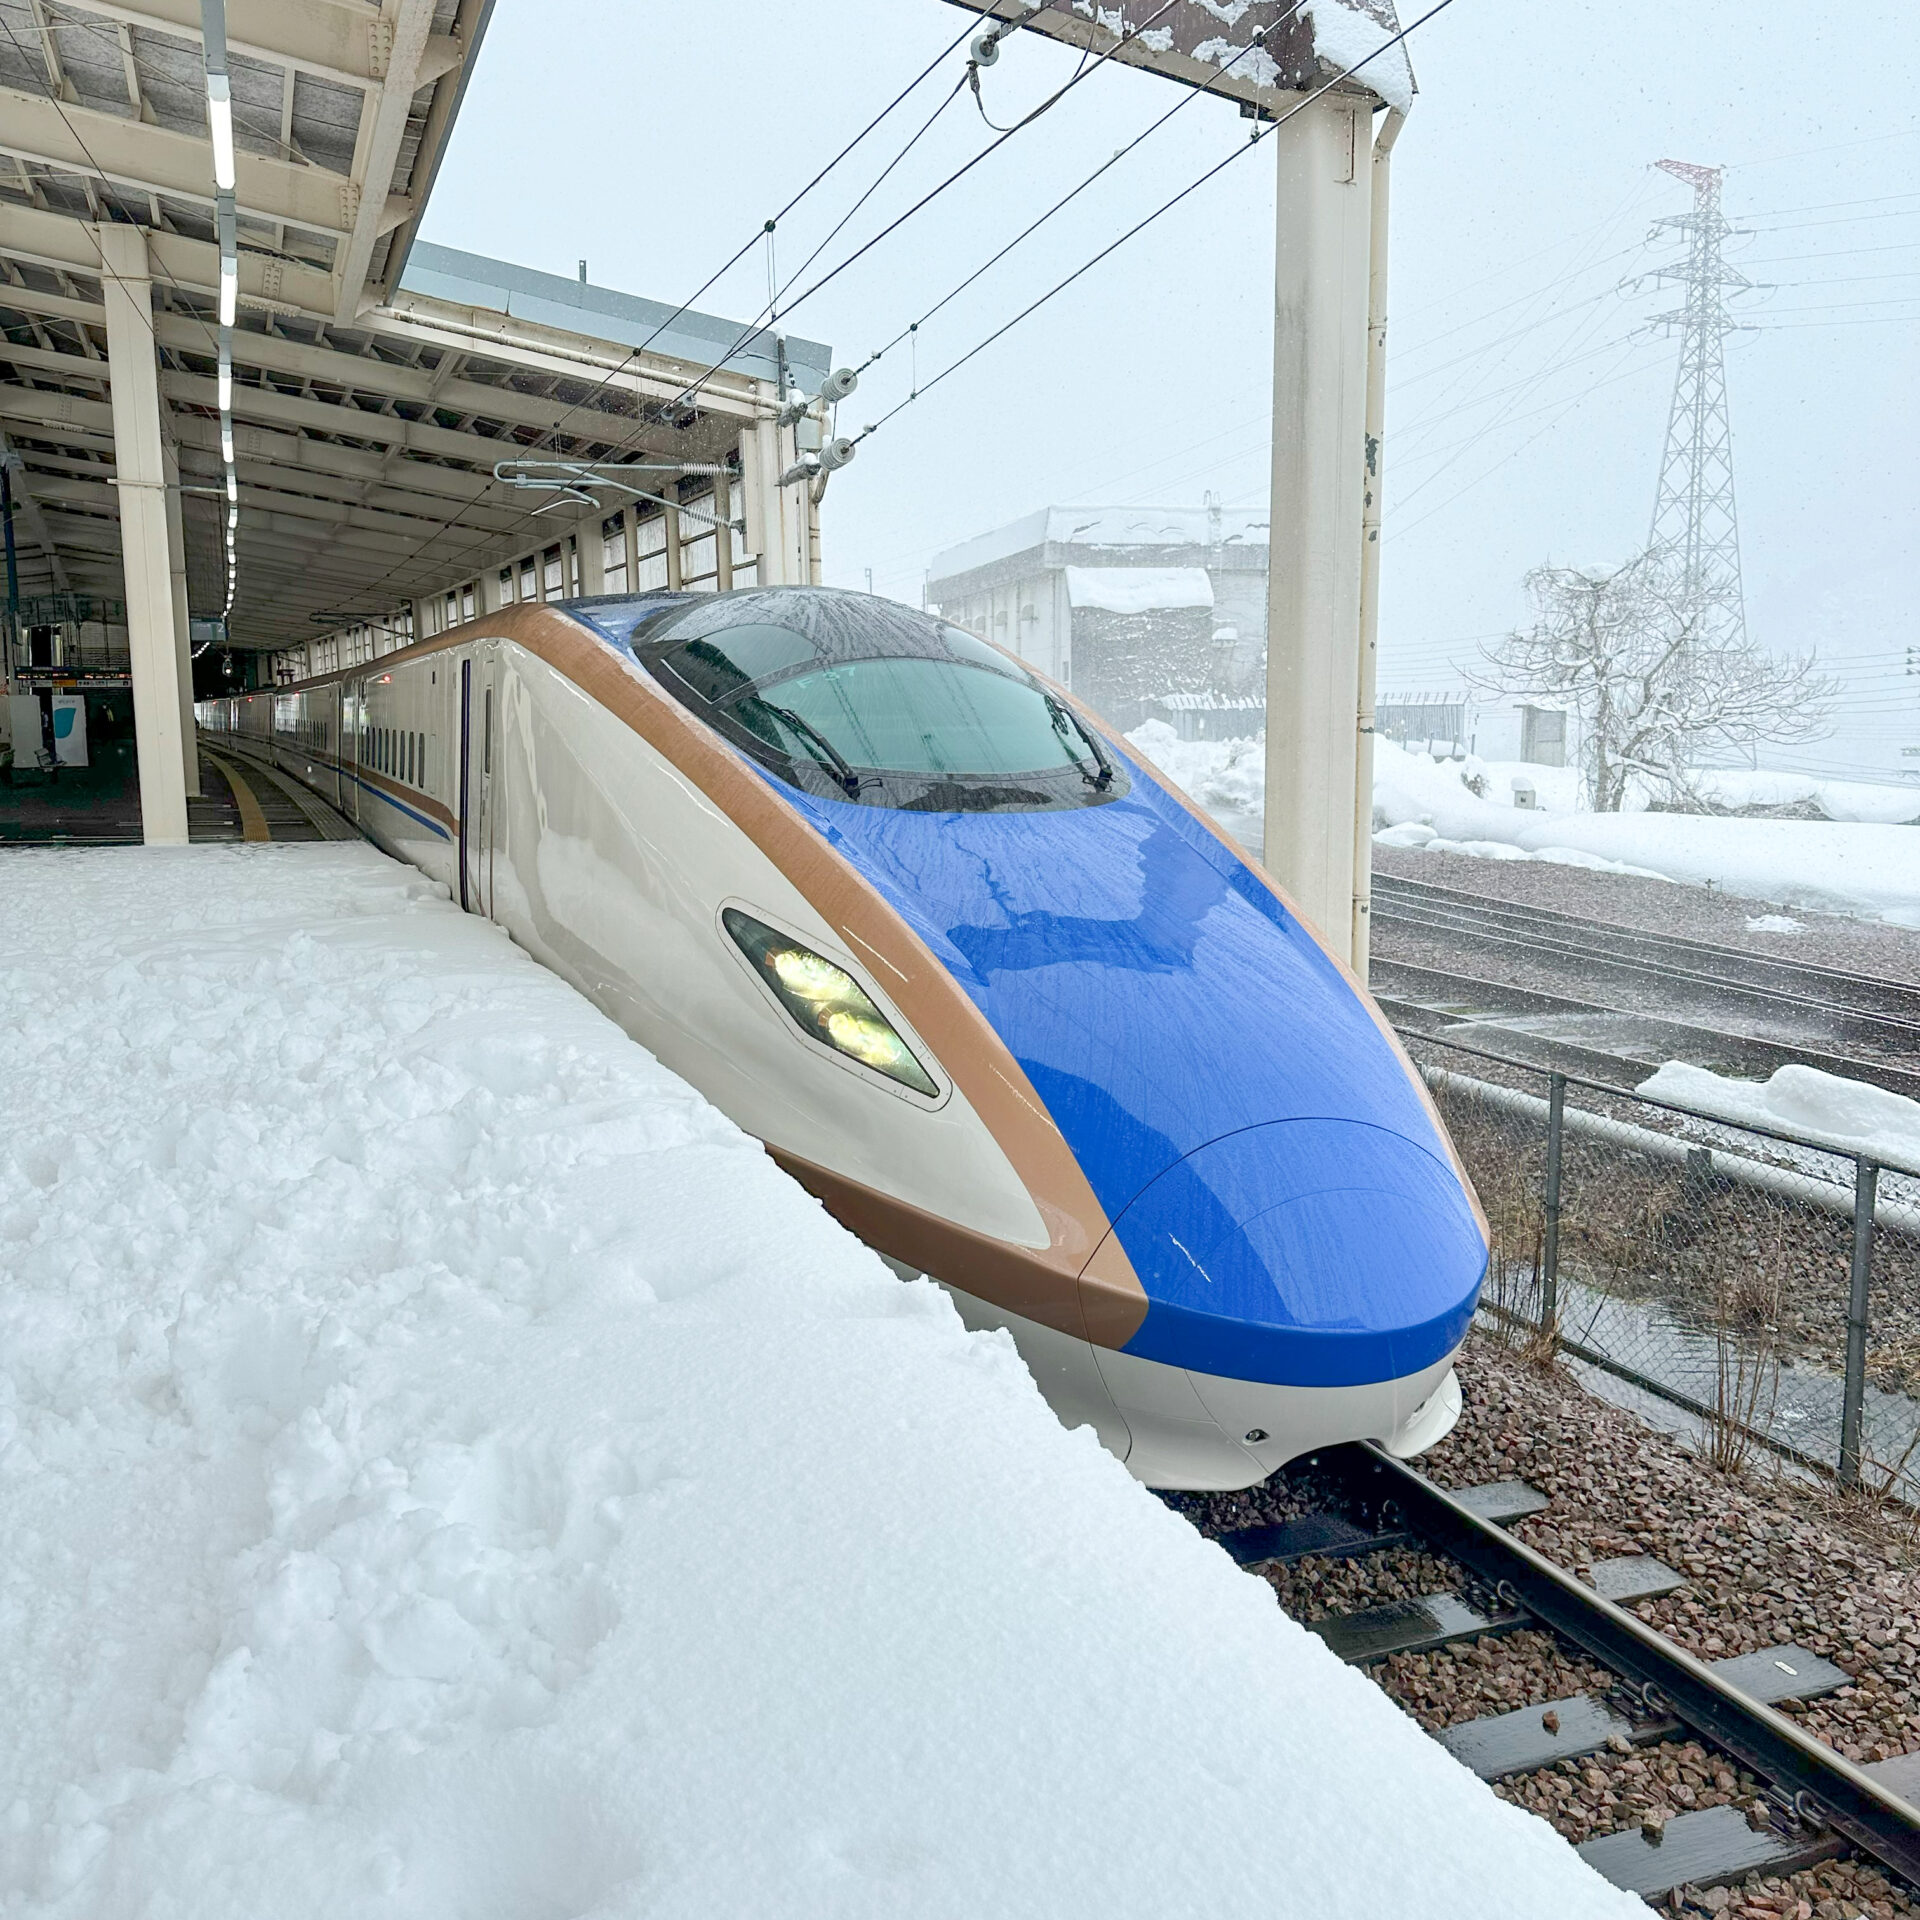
{"points": [[1140, 226], [690, 393], [1072, 194], [763, 233], [1078, 77]]}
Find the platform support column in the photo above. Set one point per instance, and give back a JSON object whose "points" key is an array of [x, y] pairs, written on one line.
{"points": [[141, 482], [590, 550], [182, 618], [1321, 261]]}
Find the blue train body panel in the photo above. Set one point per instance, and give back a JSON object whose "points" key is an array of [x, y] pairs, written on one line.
{"points": [[1273, 1175]]}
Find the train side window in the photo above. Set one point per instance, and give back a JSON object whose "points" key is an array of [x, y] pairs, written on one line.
{"points": [[408, 774]]}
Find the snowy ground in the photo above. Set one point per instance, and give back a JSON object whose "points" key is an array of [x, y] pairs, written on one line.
{"points": [[1856, 861], [445, 1469]]}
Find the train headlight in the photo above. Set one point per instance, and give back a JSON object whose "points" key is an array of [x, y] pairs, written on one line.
{"points": [[826, 1001]]}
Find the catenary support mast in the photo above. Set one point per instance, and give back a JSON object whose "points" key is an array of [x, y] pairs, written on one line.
{"points": [[1322, 262]]}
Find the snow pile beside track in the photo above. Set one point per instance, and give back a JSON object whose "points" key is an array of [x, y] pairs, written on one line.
{"points": [[1861, 867], [1826, 1108], [447, 1469]]}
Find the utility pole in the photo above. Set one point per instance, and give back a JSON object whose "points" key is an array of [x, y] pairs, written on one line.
{"points": [[1694, 523]]}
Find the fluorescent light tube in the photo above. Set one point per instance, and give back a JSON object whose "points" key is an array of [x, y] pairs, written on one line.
{"points": [[229, 290], [220, 124]]}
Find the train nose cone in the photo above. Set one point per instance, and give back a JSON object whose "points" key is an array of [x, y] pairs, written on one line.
{"points": [[1304, 1253]]}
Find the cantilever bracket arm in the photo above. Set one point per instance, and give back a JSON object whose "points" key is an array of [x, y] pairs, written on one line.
{"points": [[576, 480]]}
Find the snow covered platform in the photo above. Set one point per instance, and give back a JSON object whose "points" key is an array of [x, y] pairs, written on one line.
{"points": [[446, 1469]]}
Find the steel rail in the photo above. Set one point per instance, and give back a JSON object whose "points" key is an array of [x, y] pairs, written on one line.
{"points": [[1485, 997], [1827, 985], [1812, 1780], [1497, 931]]}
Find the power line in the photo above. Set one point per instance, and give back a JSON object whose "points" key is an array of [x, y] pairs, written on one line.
{"points": [[1826, 206], [1839, 146]]}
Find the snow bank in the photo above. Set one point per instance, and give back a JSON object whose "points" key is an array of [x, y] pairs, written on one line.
{"points": [[1859, 867], [1837, 799], [1839, 867], [1821, 1107], [447, 1469]]}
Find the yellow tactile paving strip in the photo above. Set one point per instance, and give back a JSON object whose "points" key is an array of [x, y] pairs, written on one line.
{"points": [[253, 823]]}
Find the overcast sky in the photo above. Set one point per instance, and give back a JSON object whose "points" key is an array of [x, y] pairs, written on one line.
{"points": [[1528, 396]]}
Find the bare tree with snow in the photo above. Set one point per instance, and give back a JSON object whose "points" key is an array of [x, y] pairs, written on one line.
{"points": [[1629, 653]]}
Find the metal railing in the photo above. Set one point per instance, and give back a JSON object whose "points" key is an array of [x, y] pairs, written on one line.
{"points": [[1754, 1287]]}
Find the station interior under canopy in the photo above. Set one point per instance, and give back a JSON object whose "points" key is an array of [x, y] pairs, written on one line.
{"points": [[250, 423]]}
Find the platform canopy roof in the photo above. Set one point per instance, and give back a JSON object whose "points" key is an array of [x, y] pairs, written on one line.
{"points": [[376, 381]]}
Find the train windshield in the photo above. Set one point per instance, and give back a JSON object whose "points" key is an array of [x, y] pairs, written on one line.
{"points": [[858, 699]]}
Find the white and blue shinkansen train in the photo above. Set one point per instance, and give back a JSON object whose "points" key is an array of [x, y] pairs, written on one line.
{"points": [[1014, 1010]]}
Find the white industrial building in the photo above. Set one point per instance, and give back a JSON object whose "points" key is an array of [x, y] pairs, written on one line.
{"points": [[1494, 726], [1125, 605]]}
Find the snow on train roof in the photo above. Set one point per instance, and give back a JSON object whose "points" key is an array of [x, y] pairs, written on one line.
{"points": [[450, 1469]]}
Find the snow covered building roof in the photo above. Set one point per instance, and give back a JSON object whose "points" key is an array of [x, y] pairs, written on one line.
{"points": [[1125, 536]]}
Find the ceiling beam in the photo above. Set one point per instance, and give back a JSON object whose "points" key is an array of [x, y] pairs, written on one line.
{"points": [[327, 416], [648, 378], [333, 39], [137, 153], [383, 124], [280, 509], [27, 511], [56, 240]]}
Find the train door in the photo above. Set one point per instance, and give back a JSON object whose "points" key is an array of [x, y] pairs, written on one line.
{"points": [[334, 746], [479, 756], [353, 730]]}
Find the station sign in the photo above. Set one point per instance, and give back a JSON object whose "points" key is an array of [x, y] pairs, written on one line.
{"points": [[1262, 53]]}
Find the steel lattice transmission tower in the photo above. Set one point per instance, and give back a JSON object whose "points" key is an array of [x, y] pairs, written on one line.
{"points": [[1694, 522]]}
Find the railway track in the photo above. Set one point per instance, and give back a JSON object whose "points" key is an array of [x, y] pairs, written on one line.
{"points": [[1816, 1804], [1671, 998]]}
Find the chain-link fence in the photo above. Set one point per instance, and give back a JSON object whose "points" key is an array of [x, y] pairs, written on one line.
{"points": [[1758, 1289]]}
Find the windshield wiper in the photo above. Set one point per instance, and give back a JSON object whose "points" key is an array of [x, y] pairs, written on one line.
{"points": [[825, 751], [1063, 717]]}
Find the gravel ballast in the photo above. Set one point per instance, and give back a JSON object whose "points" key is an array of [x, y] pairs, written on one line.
{"points": [[1768, 1559]]}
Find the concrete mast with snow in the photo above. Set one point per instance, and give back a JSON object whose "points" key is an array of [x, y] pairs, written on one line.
{"points": [[1319, 70]]}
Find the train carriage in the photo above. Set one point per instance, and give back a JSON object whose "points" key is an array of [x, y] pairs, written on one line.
{"points": [[996, 993]]}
